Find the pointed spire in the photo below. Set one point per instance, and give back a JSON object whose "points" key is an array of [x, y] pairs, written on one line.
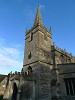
{"points": [[38, 18]]}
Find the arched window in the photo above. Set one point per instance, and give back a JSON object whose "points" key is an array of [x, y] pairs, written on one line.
{"points": [[30, 68], [31, 37], [70, 86], [29, 55]]}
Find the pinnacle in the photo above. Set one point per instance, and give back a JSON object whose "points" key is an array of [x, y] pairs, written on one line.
{"points": [[38, 18]]}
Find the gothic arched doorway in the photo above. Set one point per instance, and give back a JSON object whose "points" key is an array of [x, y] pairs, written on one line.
{"points": [[15, 89]]}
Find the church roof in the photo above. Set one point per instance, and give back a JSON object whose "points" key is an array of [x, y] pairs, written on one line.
{"points": [[2, 77]]}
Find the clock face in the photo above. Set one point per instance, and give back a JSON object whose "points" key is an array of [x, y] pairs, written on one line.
{"points": [[29, 55]]}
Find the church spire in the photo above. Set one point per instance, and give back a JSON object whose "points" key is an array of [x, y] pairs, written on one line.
{"points": [[38, 18]]}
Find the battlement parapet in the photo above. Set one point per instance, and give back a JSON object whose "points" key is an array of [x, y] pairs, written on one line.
{"points": [[63, 51], [15, 73], [28, 76], [27, 31]]}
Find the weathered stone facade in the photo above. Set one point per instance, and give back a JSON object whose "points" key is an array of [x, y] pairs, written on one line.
{"points": [[48, 72]]}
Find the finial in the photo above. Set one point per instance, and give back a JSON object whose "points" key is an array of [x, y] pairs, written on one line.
{"points": [[64, 50], [50, 30], [54, 46], [26, 29], [53, 43]]}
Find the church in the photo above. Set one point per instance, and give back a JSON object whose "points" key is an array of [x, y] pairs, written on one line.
{"points": [[48, 72]]}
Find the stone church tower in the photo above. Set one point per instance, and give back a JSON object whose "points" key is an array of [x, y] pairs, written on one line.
{"points": [[37, 58], [38, 41], [48, 72]]}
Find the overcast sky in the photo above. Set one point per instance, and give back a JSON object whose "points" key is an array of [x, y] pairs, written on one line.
{"points": [[16, 15]]}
